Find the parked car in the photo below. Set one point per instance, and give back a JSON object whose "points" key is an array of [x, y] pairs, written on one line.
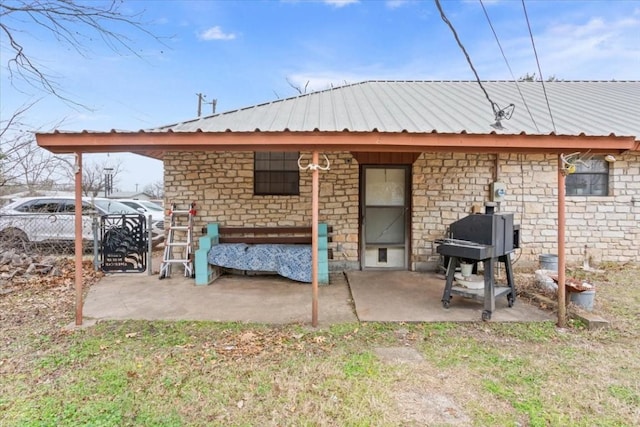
{"points": [[145, 207], [52, 219]]}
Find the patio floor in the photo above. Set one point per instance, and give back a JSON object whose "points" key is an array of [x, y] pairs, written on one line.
{"points": [[397, 296]]}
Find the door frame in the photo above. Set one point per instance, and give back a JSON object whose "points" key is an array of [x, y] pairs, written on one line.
{"points": [[408, 168]]}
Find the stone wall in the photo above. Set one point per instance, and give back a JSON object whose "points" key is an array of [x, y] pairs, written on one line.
{"points": [[600, 229], [445, 187], [221, 184]]}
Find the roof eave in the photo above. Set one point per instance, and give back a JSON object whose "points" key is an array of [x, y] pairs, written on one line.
{"points": [[154, 144]]}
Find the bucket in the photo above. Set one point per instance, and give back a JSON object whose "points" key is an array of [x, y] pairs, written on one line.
{"points": [[583, 299], [549, 262], [466, 269]]}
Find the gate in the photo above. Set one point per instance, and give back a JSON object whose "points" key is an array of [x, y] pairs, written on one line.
{"points": [[123, 243]]}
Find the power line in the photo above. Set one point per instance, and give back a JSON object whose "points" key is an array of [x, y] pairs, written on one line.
{"points": [[526, 106], [499, 113], [544, 89]]}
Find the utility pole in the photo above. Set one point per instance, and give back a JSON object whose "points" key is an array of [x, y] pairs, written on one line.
{"points": [[201, 100]]}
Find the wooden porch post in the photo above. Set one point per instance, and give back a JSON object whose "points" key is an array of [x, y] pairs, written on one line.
{"points": [[562, 309], [78, 240], [314, 239]]}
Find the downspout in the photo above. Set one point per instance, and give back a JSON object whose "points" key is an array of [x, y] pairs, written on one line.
{"points": [[562, 308], [78, 234]]}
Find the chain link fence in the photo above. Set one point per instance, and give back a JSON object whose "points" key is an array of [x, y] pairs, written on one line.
{"points": [[54, 233], [45, 233]]}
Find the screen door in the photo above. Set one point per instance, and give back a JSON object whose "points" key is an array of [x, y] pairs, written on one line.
{"points": [[385, 217]]}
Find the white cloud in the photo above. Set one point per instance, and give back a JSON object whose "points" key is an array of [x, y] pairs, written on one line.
{"points": [[394, 4], [216, 33], [341, 3], [596, 47]]}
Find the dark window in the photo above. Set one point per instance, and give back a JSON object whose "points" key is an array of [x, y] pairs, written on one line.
{"points": [[70, 207], [39, 206], [276, 173], [591, 178]]}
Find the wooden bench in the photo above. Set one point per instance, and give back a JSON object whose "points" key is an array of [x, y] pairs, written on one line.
{"points": [[216, 234]]}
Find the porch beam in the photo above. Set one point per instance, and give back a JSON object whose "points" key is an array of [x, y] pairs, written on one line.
{"points": [[155, 144]]}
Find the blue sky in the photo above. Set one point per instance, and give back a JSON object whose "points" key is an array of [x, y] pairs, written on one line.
{"points": [[243, 53]]}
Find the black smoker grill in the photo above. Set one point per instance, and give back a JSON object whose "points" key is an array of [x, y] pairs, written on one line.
{"points": [[490, 238]]}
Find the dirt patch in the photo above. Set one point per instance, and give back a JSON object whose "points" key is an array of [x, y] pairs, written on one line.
{"points": [[430, 408], [398, 354], [41, 304], [420, 406]]}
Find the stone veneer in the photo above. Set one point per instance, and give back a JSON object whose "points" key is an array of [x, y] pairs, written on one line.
{"points": [[445, 188]]}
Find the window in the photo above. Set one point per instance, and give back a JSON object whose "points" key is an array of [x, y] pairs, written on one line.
{"points": [[589, 179], [39, 206], [276, 173]]}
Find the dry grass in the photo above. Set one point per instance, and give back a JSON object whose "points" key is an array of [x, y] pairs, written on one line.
{"points": [[205, 373]]}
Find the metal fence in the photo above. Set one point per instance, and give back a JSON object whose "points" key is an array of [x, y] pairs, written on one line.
{"points": [[44, 232], [123, 242]]}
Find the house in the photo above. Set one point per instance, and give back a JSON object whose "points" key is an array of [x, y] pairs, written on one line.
{"points": [[406, 159]]}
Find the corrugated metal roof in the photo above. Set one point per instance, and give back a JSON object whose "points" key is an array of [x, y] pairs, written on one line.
{"points": [[592, 108]]}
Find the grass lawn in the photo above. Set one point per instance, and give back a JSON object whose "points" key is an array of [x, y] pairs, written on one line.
{"points": [[138, 373]]}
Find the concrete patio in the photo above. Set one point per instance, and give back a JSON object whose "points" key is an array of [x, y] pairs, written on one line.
{"points": [[371, 296]]}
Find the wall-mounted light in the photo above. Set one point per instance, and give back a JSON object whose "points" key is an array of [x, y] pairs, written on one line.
{"points": [[609, 158]]}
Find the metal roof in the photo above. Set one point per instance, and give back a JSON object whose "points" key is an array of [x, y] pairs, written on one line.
{"points": [[591, 108]]}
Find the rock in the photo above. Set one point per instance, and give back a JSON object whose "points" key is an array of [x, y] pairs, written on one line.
{"points": [[38, 268], [6, 258], [50, 260]]}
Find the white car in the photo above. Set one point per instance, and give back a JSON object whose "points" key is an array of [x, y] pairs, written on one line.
{"points": [[52, 219], [145, 207]]}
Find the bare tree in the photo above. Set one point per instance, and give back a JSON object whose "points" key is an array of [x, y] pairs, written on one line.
{"points": [[29, 164], [297, 88], [155, 189], [76, 24], [71, 22], [94, 176], [532, 78], [22, 162]]}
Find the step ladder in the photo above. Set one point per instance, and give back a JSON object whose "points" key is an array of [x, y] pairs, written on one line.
{"points": [[178, 247]]}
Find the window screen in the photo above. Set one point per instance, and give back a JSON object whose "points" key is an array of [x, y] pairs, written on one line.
{"points": [[591, 178], [276, 173]]}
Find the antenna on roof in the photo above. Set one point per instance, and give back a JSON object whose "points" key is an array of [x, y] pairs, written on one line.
{"points": [[201, 101]]}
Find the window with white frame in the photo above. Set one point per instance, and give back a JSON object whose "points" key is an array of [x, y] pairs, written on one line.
{"points": [[591, 178], [276, 173]]}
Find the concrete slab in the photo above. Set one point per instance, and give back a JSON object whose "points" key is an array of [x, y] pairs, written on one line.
{"points": [[396, 296], [263, 299], [407, 296]]}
